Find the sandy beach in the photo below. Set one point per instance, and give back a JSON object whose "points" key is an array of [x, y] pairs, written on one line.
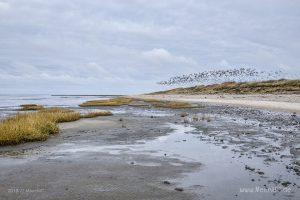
{"points": [[285, 103]]}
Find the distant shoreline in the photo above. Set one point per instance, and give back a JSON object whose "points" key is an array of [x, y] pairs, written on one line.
{"points": [[283, 103], [87, 95], [281, 86]]}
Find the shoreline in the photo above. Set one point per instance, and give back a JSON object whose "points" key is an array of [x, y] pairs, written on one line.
{"points": [[282, 103], [139, 153]]}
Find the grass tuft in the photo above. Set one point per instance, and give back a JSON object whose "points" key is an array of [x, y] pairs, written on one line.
{"points": [[35, 126], [96, 114], [59, 115], [138, 102], [172, 104], [151, 100], [27, 107], [109, 102]]}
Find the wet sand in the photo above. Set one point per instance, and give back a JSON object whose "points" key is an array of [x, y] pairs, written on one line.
{"points": [[216, 152]]}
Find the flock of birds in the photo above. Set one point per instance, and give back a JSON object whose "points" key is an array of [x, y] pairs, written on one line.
{"points": [[217, 76]]}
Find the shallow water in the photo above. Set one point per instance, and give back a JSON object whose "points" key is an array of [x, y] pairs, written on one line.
{"points": [[9, 104], [222, 174]]}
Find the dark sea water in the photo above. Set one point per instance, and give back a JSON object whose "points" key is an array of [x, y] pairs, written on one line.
{"points": [[9, 104]]}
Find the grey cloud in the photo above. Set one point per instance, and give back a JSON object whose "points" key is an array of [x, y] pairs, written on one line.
{"points": [[126, 46]]}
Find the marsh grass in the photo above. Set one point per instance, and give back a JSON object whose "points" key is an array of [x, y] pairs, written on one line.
{"points": [[172, 104], [37, 126], [168, 104], [59, 115], [28, 107], [96, 114], [109, 102], [138, 103], [151, 100], [34, 126]]}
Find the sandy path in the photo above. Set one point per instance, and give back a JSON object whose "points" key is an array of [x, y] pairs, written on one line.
{"points": [[285, 103]]}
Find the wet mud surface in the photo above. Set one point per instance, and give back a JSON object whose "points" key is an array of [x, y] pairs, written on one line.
{"points": [[212, 152]]}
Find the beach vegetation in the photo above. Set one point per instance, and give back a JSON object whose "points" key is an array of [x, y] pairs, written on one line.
{"points": [[172, 104], [120, 101], [39, 125], [96, 114], [28, 107], [281, 86]]}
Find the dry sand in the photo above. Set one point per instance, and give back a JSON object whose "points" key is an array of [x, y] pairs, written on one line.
{"points": [[285, 103]]}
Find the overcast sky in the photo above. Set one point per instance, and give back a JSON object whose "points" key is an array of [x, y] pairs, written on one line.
{"points": [[126, 46]]}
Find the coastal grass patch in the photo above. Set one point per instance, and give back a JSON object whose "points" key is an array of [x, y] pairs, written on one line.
{"points": [[138, 102], [158, 103], [28, 107], [172, 104], [151, 100], [120, 101], [38, 125], [96, 114], [34, 126], [281, 86], [59, 115]]}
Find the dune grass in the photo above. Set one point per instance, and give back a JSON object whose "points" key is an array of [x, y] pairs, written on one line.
{"points": [[109, 102], [28, 107], [96, 114], [281, 86]]}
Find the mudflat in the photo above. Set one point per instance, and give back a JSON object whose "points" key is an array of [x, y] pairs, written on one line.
{"points": [[209, 152]]}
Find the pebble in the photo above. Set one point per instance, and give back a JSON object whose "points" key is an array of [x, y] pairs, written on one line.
{"points": [[179, 189], [166, 182]]}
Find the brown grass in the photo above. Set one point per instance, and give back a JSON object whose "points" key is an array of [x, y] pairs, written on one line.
{"points": [[110, 102], [37, 126], [151, 100], [172, 104], [168, 104], [138, 102], [27, 107], [96, 114], [281, 86], [59, 115], [34, 126]]}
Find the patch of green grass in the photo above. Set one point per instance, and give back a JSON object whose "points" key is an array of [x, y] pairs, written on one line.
{"points": [[28, 107], [109, 102], [96, 114]]}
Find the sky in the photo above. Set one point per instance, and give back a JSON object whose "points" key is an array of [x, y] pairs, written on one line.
{"points": [[127, 46]]}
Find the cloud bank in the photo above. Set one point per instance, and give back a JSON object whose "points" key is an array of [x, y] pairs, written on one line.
{"points": [[126, 46]]}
